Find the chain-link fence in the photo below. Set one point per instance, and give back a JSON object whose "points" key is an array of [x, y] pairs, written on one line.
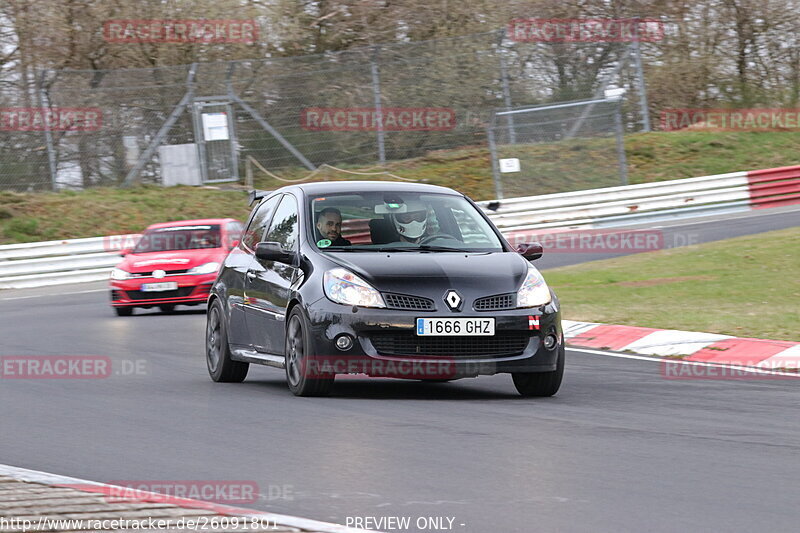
{"points": [[359, 107], [558, 147]]}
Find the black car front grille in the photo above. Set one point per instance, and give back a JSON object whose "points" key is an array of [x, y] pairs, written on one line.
{"points": [[179, 293], [495, 303], [408, 303], [402, 343]]}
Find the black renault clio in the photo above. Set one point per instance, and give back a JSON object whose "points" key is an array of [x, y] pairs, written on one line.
{"points": [[384, 279]]}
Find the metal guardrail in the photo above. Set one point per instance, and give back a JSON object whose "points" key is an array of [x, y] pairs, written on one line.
{"points": [[774, 186], [39, 264], [77, 260], [582, 208]]}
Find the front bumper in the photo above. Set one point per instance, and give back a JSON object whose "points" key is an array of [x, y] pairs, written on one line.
{"points": [[386, 342], [192, 290]]}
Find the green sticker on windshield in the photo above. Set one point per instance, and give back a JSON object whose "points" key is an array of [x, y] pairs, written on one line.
{"points": [[324, 243], [394, 206]]}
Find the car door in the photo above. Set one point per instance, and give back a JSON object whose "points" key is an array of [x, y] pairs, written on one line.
{"points": [[238, 264], [269, 282]]}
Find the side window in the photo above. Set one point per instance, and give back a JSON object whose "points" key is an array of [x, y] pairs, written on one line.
{"points": [[284, 227], [259, 223]]}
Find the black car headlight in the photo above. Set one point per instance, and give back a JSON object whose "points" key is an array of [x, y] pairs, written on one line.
{"points": [[344, 287]]}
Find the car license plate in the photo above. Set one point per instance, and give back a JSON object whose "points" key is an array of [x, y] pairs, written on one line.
{"points": [[455, 326], [158, 287]]}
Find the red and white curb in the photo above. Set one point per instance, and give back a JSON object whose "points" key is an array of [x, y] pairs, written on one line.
{"points": [[686, 345], [56, 481]]}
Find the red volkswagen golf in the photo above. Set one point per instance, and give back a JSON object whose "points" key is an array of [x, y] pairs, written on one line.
{"points": [[173, 263]]}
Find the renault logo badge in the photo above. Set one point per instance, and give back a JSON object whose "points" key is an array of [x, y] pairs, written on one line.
{"points": [[453, 300]]}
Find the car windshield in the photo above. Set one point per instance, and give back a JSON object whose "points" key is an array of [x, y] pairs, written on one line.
{"points": [[179, 238], [400, 221]]}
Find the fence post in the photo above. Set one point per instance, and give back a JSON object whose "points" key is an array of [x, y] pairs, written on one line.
{"points": [[48, 135], [498, 186], [512, 134], [234, 138], [376, 93], [619, 133], [637, 58]]}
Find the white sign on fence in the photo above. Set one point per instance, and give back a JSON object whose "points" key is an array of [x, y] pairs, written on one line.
{"points": [[215, 127], [509, 165]]}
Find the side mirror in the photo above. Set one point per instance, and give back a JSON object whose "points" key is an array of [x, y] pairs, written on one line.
{"points": [[273, 251], [530, 250], [124, 252]]}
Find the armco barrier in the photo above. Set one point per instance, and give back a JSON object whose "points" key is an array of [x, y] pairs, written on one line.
{"points": [[614, 206], [633, 203], [38, 264], [78, 260], [774, 187]]}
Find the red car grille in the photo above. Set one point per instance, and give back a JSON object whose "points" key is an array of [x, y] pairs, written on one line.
{"points": [[167, 272], [179, 293]]}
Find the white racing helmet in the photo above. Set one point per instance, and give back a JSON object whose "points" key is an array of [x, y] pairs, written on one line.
{"points": [[413, 222]]}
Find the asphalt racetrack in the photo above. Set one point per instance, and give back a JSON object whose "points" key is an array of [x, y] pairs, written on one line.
{"points": [[619, 448]]}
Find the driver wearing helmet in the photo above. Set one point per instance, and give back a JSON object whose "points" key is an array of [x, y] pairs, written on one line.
{"points": [[411, 225]]}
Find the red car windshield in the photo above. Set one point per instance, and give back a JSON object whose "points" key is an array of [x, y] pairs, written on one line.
{"points": [[180, 238]]}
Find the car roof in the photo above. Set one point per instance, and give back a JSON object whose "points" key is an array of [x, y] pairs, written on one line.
{"points": [[195, 222], [329, 187]]}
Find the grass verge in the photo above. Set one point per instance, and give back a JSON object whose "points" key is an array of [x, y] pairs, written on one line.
{"points": [[746, 287]]}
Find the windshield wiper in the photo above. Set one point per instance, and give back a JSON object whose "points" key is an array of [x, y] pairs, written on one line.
{"points": [[360, 249], [429, 248], [390, 249]]}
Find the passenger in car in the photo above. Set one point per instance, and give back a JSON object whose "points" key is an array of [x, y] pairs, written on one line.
{"points": [[329, 226]]}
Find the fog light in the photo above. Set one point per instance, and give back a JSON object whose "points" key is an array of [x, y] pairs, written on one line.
{"points": [[344, 342], [550, 341]]}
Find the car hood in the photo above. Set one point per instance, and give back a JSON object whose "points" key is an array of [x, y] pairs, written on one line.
{"points": [[174, 260], [426, 274]]}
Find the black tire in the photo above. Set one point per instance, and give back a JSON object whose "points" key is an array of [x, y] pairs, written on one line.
{"points": [[303, 379], [167, 308], [123, 311], [221, 367], [540, 384]]}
